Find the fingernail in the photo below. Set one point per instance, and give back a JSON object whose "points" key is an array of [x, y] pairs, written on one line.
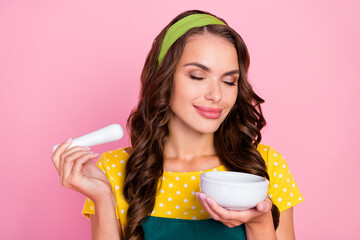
{"points": [[69, 140], [201, 197], [91, 152], [262, 207], [209, 201]]}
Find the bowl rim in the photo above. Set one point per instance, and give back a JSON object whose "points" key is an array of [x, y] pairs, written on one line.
{"points": [[263, 182]]}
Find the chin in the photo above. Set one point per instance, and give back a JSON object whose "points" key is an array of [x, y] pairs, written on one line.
{"points": [[207, 129]]}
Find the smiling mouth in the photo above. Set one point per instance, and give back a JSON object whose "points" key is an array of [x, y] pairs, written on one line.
{"points": [[208, 112]]}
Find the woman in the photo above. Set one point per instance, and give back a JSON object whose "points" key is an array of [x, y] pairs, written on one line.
{"points": [[197, 112]]}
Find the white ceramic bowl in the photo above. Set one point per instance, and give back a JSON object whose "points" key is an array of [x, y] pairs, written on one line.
{"points": [[234, 190]]}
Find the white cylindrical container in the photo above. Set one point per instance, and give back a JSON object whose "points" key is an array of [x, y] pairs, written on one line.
{"points": [[107, 134]]}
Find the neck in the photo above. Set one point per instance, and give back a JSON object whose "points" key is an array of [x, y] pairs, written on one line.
{"points": [[186, 144]]}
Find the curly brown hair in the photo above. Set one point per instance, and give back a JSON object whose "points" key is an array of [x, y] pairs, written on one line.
{"points": [[235, 141]]}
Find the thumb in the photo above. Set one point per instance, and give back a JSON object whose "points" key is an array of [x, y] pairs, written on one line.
{"points": [[263, 206]]}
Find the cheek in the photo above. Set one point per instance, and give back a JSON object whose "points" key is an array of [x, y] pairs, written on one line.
{"points": [[187, 92], [179, 98], [231, 98]]}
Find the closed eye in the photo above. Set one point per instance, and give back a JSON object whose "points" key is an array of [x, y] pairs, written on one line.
{"points": [[230, 83], [196, 78]]}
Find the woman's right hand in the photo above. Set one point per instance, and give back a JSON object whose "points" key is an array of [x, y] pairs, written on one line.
{"points": [[78, 172]]}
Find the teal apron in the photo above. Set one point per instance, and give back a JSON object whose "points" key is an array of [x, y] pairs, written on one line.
{"points": [[158, 228]]}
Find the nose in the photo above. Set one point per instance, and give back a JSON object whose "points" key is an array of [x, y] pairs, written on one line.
{"points": [[213, 91]]}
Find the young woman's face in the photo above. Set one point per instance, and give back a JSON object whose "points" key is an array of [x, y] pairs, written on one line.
{"points": [[205, 83]]}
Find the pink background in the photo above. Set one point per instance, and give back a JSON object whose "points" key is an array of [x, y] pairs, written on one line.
{"points": [[70, 67]]}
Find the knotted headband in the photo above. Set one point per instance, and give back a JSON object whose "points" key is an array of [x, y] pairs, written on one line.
{"points": [[181, 27]]}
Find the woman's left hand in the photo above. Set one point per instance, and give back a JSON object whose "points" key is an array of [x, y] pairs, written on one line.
{"points": [[233, 218]]}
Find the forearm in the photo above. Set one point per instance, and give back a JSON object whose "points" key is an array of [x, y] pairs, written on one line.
{"points": [[262, 229], [104, 224]]}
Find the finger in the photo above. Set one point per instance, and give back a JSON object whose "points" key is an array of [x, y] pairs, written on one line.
{"points": [[220, 211], [206, 206], [69, 151], [264, 206], [74, 179], [63, 155], [230, 225], [69, 161], [230, 217], [60, 149], [238, 217], [72, 150], [267, 199], [79, 163]]}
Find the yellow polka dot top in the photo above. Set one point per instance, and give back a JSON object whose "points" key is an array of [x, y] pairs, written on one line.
{"points": [[176, 196]]}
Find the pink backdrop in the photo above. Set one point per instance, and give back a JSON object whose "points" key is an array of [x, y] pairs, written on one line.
{"points": [[69, 67]]}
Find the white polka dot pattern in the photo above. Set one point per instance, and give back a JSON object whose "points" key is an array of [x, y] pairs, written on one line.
{"points": [[282, 188], [181, 188], [109, 164], [177, 196]]}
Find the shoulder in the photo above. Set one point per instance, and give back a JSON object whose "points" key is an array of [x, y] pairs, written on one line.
{"points": [[114, 162], [283, 189], [270, 155], [276, 164], [115, 155]]}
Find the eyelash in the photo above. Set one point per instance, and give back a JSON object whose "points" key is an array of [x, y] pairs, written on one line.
{"points": [[196, 78], [230, 83]]}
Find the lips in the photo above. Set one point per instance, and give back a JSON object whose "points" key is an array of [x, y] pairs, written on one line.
{"points": [[209, 112]]}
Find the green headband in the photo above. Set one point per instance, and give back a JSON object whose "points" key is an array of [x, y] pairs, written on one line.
{"points": [[181, 27]]}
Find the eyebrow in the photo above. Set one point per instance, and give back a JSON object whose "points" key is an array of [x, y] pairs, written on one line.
{"points": [[205, 68]]}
